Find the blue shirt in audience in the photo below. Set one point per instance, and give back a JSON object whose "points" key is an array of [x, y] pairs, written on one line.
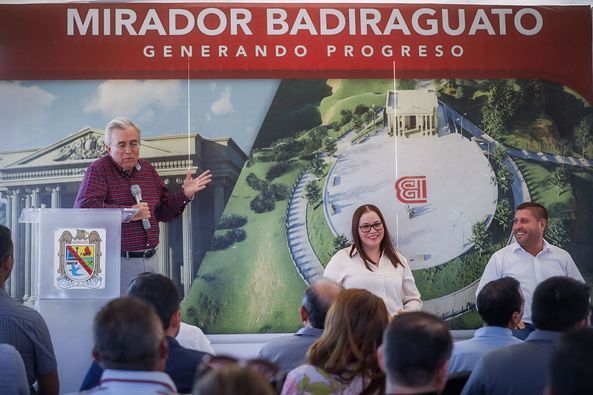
{"points": [[520, 369], [466, 353]]}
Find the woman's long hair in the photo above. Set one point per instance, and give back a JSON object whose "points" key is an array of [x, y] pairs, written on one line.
{"points": [[387, 246], [353, 332]]}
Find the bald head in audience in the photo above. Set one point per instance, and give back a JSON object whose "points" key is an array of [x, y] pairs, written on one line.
{"points": [[288, 352], [317, 300]]}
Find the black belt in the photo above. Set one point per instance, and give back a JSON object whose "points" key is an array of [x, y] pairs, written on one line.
{"points": [[139, 254]]}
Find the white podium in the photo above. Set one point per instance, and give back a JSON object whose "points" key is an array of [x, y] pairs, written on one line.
{"points": [[77, 271]]}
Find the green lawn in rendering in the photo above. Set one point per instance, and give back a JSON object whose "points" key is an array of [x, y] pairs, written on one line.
{"points": [[252, 286]]}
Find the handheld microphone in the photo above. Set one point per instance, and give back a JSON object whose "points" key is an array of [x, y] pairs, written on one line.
{"points": [[138, 197]]}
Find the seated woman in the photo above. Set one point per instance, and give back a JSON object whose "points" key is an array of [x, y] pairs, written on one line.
{"points": [[372, 263], [233, 379], [344, 359]]}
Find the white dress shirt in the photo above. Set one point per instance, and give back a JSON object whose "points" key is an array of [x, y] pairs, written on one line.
{"points": [[192, 337], [396, 286], [529, 270], [132, 382]]}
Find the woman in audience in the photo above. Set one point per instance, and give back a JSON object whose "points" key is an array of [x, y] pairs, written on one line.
{"points": [[344, 359], [265, 368], [372, 263], [233, 379]]}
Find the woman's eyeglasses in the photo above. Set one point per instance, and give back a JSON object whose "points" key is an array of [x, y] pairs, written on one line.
{"points": [[366, 228]]}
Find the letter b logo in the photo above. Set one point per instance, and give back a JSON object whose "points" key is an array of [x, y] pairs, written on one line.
{"points": [[411, 189]]}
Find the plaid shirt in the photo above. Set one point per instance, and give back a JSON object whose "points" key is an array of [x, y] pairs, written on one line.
{"points": [[107, 185]]}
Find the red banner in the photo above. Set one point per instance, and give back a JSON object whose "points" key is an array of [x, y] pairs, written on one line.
{"points": [[128, 40]]}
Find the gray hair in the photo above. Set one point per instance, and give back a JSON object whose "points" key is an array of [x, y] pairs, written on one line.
{"points": [[118, 123], [127, 334], [317, 300]]}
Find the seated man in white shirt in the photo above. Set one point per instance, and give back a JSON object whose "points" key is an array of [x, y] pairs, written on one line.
{"points": [[530, 259], [500, 305], [130, 344]]}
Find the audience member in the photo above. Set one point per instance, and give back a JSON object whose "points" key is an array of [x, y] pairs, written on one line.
{"points": [[25, 329], [130, 345], [571, 367], [265, 368], [288, 352], [414, 355], [13, 379], [500, 304], [344, 359], [161, 293], [232, 380], [560, 304], [530, 259]]}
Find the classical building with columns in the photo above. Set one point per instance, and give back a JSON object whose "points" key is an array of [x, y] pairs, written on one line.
{"points": [[411, 111], [50, 177]]}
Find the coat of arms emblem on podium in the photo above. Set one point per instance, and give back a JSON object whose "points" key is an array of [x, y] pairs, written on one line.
{"points": [[79, 265]]}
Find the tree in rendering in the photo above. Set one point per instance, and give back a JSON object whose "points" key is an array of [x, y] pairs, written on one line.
{"points": [[340, 241], [312, 192], [330, 146], [503, 213], [346, 116], [317, 167], [556, 232], [480, 237], [583, 133], [559, 179]]}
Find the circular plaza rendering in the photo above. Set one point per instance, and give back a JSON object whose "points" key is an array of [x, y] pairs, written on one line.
{"points": [[430, 188]]}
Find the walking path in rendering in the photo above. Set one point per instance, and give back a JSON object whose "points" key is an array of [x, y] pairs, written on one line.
{"points": [[301, 251]]}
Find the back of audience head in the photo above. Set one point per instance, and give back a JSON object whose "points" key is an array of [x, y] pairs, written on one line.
{"points": [[352, 334], [6, 252], [232, 379], [500, 302], [128, 335], [571, 366], [160, 292], [317, 300], [561, 304], [415, 352]]}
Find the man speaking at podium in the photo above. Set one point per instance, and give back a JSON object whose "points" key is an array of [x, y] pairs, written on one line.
{"points": [[121, 179]]}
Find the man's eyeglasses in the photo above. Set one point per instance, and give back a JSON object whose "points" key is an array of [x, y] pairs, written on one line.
{"points": [[134, 145], [366, 228]]}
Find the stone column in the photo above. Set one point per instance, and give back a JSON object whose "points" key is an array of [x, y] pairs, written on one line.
{"points": [[14, 214], [164, 248], [35, 202], [55, 197], [164, 244], [8, 196], [28, 252], [173, 272], [187, 275]]}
